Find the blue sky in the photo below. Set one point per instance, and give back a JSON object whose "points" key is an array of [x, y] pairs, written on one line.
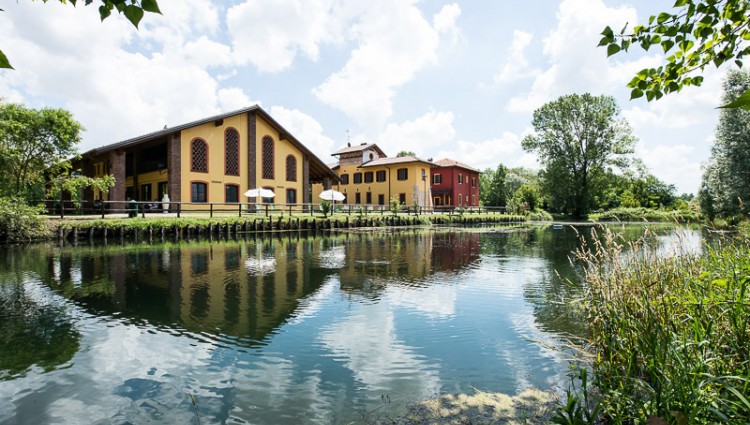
{"points": [[440, 78]]}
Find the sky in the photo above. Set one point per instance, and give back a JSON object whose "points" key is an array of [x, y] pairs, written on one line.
{"points": [[443, 79]]}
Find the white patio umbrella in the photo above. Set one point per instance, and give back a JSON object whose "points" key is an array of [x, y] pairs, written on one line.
{"points": [[260, 191], [332, 195]]}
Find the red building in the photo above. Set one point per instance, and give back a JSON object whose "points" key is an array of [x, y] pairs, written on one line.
{"points": [[454, 184]]}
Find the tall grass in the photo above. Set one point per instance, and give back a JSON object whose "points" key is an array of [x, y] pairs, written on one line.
{"points": [[670, 333]]}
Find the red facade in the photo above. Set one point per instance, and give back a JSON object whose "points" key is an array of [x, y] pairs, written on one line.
{"points": [[454, 184]]}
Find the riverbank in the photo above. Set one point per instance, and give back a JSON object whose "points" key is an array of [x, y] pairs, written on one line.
{"points": [[161, 228]]}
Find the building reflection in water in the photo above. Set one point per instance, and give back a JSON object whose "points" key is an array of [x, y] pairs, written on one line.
{"points": [[245, 289]]}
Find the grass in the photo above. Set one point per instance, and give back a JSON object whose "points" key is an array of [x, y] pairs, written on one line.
{"points": [[670, 334]]}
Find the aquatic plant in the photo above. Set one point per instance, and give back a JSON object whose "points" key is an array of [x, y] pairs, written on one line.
{"points": [[670, 332]]}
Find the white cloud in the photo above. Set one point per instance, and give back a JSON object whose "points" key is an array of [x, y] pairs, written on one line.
{"points": [[505, 150], [115, 91], [423, 135], [673, 164], [575, 64], [395, 42], [234, 98], [269, 33], [305, 129], [517, 66]]}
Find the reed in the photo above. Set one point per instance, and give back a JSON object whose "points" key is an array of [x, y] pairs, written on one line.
{"points": [[670, 332]]}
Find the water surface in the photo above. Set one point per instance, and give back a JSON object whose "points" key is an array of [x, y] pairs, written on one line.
{"points": [[280, 329]]}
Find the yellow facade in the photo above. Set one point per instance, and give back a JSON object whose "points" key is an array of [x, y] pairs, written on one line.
{"points": [[216, 180], [406, 191]]}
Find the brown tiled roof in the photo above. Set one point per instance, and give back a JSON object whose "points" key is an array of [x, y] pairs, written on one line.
{"points": [[318, 169], [396, 160], [453, 163], [359, 148]]}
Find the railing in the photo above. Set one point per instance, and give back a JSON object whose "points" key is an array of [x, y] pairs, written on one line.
{"points": [[143, 209]]}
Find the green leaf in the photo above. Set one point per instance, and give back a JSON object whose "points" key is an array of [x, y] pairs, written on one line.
{"points": [[742, 102], [133, 13], [680, 3], [150, 6], [667, 45], [663, 17], [636, 93], [104, 12], [612, 49], [4, 63], [608, 32]]}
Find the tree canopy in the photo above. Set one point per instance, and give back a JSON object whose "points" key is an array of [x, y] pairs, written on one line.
{"points": [[697, 33], [405, 153], [31, 141], [133, 10], [578, 137], [725, 187]]}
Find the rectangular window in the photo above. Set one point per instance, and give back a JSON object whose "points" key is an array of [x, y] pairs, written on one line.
{"points": [[473, 182], [368, 198], [460, 179], [380, 176], [357, 178], [357, 198], [291, 196], [473, 199], [146, 192], [381, 199], [403, 173], [198, 192], [368, 177], [402, 198], [437, 179], [232, 193], [345, 179]]}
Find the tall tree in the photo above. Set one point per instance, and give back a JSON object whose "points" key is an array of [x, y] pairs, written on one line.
{"points": [[132, 9], [725, 189], [30, 141], [492, 190], [695, 34], [577, 138]]}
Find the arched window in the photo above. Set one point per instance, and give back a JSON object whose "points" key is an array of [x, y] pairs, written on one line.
{"points": [[232, 152], [267, 157], [291, 168], [199, 156]]}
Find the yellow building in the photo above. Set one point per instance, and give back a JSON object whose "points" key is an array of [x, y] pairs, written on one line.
{"points": [[215, 159], [370, 179]]}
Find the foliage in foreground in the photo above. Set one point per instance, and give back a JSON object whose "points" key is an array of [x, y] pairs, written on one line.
{"points": [[670, 333], [19, 221]]}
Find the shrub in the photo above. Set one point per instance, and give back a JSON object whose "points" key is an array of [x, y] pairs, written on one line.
{"points": [[539, 215], [19, 221]]}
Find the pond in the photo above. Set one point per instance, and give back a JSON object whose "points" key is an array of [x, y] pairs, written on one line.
{"points": [[282, 329]]}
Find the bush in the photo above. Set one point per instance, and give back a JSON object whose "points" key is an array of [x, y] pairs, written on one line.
{"points": [[19, 221], [539, 215]]}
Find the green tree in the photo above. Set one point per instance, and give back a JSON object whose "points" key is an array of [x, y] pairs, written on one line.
{"points": [[31, 140], [527, 198], [133, 10], [405, 153], [692, 36], [492, 190], [725, 187], [577, 138]]}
